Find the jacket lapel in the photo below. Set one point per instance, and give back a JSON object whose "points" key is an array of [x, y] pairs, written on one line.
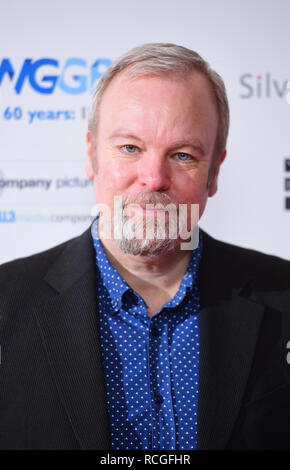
{"points": [[228, 337], [230, 321], [68, 322]]}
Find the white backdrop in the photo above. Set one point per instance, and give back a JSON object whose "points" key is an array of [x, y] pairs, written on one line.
{"points": [[51, 52]]}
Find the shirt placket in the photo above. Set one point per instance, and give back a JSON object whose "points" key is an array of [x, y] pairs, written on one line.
{"points": [[138, 396], [163, 427]]}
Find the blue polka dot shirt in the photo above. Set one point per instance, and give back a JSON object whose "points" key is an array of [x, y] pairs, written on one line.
{"points": [[150, 364]]}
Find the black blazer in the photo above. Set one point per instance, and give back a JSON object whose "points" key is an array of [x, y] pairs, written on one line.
{"points": [[52, 390]]}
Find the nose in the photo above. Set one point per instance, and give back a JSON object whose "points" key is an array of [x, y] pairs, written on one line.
{"points": [[154, 172]]}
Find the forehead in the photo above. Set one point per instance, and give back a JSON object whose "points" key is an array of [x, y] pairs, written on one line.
{"points": [[124, 86], [159, 103]]}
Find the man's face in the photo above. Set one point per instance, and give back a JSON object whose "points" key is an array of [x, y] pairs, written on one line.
{"points": [[154, 142]]}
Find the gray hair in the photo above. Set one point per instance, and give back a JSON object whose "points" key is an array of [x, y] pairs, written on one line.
{"points": [[162, 59]]}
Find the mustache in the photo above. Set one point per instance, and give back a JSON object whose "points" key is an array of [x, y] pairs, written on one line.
{"points": [[150, 198]]}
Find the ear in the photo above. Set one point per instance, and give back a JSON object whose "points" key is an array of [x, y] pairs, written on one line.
{"points": [[89, 157], [212, 189]]}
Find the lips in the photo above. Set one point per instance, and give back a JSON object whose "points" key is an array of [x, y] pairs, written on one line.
{"points": [[141, 199], [145, 209]]}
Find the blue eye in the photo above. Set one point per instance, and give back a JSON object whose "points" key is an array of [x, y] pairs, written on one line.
{"points": [[129, 148], [183, 157]]}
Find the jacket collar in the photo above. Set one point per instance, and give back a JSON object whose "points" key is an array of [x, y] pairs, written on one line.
{"points": [[229, 325], [230, 321], [68, 323]]}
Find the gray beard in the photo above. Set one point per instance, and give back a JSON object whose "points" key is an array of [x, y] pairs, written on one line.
{"points": [[149, 247], [155, 233]]}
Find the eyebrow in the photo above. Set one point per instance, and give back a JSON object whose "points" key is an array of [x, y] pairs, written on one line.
{"points": [[195, 142], [127, 135]]}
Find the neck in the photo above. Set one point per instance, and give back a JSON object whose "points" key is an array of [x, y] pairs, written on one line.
{"points": [[145, 273]]}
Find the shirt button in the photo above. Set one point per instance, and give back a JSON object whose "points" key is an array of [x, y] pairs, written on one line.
{"points": [[155, 332], [158, 399]]}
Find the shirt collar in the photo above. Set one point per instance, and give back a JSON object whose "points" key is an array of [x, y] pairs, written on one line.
{"points": [[117, 286], [190, 277], [114, 283]]}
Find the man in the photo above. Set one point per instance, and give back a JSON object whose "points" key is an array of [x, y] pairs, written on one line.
{"points": [[117, 339]]}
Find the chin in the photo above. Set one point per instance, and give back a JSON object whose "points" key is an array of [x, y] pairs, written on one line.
{"points": [[147, 248]]}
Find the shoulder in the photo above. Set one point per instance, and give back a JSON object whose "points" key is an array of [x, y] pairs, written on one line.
{"points": [[27, 282], [244, 263], [35, 265]]}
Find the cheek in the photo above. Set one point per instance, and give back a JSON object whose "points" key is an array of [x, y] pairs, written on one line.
{"points": [[112, 180], [191, 187]]}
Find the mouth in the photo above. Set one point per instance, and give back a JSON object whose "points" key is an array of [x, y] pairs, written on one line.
{"points": [[144, 209]]}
